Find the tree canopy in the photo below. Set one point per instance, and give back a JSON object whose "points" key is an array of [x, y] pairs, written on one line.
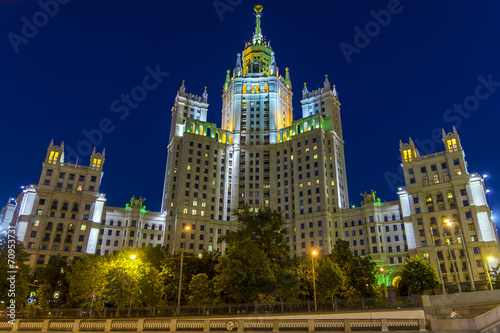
{"points": [[418, 275]]}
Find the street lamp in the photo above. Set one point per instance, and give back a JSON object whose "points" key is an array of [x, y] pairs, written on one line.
{"points": [[443, 287], [133, 256], [187, 228], [490, 259], [313, 254], [450, 223]]}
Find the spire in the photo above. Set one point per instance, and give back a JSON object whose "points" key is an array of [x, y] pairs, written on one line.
{"points": [[205, 95], [334, 91], [257, 36], [228, 78], [182, 89], [305, 91], [238, 65], [287, 79], [327, 83]]}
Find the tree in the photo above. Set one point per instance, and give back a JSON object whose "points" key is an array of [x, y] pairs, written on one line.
{"points": [[121, 287], [245, 273], [54, 287], [265, 226], [86, 276], [495, 277], [150, 285], [418, 275], [13, 260], [359, 272], [201, 290], [329, 278]]}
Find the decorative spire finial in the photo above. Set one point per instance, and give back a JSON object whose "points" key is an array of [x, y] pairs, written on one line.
{"points": [[257, 36]]}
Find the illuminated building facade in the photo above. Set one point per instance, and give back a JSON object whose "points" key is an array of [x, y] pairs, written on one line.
{"points": [[439, 189], [260, 156], [62, 214], [132, 226]]}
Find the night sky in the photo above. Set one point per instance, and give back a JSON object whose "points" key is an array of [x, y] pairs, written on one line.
{"points": [[423, 65]]}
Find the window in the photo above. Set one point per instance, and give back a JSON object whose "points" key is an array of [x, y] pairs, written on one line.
{"points": [[423, 170], [465, 203], [78, 249], [33, 234], [477, 250]]}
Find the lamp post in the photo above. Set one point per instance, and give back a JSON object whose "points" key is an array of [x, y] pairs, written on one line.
{"points": [[455, 266], [488, 271], [313, 254], [187, 228], [450, 223], [443, 287]]}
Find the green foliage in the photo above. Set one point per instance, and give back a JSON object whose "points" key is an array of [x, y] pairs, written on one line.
{"points": [[359, 272], [85, 277], [418, 275], [150, 285], [245, 273], [52, 281], [329, 278], [495, 277], [287, 286], [266, 227], [12, 253], [201, 290]]}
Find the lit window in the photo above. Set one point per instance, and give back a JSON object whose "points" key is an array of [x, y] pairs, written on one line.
{"points": [[83, 227], [193, 212], [185, 211]]}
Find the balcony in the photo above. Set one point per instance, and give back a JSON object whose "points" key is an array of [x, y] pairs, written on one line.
{"points": [[45, 239], [57, 240], [67, 241], [48, 228]]}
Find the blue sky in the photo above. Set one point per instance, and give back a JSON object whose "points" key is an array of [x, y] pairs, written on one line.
{"points": [[416, 66]]}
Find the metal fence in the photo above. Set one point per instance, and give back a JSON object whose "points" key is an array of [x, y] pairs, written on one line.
{"points": [[407, 302]]}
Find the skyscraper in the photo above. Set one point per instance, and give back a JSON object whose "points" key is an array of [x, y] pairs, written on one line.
{"points": [[259, 156]]}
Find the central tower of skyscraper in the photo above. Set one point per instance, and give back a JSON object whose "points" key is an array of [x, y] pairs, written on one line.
{"points": [[259, 156]]}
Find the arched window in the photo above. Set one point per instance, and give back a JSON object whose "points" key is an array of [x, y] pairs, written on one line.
{"points": [[209, 131], [75, 207], [146, 226], [306, 126], [160, 228], [70, 227], [153, 227], [111, 222], [49, 226], [193, 128], [200, 130], [230, 139], [394, 217], [60, 227], [54, 204], [386, 218], [360, 222], [244, 89], [64, 206], [278, 138], [223, 137], [345, 224]]}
